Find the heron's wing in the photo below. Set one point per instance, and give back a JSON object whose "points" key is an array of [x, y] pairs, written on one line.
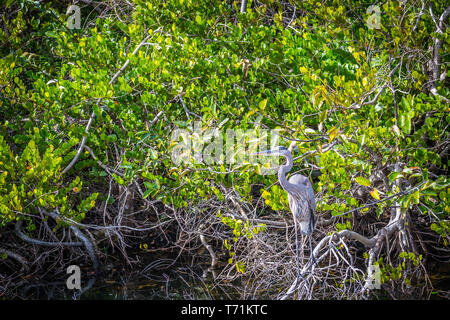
{"points": [[295, 204], [302, 202], [312, 205], [311, 198], [307, 190], [297, 179], [302, 210]]}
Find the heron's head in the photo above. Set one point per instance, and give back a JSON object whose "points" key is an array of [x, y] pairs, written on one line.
{"points": [[277, 151]]}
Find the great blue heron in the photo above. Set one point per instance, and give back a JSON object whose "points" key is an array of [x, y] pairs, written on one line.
{"points": [[300, 195]]}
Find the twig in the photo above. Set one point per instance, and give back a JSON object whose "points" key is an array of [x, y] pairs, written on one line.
{"points": [[110, 171], [437, 59], [401, 193], [87, 244], [243, 6], [186, 109], [80, 149], [209, 248], [86, 131], [16, 257]]}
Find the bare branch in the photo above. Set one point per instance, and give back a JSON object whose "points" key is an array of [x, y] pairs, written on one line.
{"points": [[16, 257], [24, 237], [86, 131]]}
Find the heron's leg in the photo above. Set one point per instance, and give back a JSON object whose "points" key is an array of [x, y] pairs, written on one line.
{"points": [[311, 251], [299, 275]]}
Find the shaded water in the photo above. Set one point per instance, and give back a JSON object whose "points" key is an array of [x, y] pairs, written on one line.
{"points": [[105, 289], [146, 290], [173, 283], [160, 280], [173, 287]]}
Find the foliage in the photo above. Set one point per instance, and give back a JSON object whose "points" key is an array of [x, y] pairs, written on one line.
{"points": [[362, 101], [388, 272], [29, 182], [240, 229]]}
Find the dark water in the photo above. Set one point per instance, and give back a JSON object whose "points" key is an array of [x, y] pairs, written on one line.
{"points": [[147, 290], [174, 283], [172, 287], [102, 289], [163, 280]]}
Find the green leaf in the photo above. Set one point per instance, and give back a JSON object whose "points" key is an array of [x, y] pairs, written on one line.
{"points": [[396, 130], [119, 179], [362, 181], [147, 193], [153, 154], [374, 193], [323, 116], [395, 175], [405, 123], [333, 132], [262, 104], [416, 197], [51, 34]]}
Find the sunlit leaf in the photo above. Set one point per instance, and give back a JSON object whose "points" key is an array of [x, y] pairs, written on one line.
{"points": [[362, 181]]}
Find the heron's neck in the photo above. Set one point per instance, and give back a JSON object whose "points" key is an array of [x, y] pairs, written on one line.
{"points": [[283, 170]]}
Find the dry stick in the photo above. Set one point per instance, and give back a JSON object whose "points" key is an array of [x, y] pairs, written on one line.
{"points": [[293, 287], [422, 11], [96, 227], [110, 171], [394, 224], [143, 42], [80, 149], [437, 59], [237, 205], [86, 131], [16, 257], [375, 99], [209, 248], [299, 275], [156, 118], [186, 109], [394, 96]]}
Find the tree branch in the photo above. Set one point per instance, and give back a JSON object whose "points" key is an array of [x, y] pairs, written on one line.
{"points": [[16, 257], [86, 131], [437, 59], [87, 244], [24, 237]]}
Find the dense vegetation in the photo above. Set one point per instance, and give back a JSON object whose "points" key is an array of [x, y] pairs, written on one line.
{"points": [[87, 117]]}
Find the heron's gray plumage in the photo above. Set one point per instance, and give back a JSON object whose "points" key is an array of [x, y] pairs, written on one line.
{"points": [[300, 195], [302, 203], [299, 189]]}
